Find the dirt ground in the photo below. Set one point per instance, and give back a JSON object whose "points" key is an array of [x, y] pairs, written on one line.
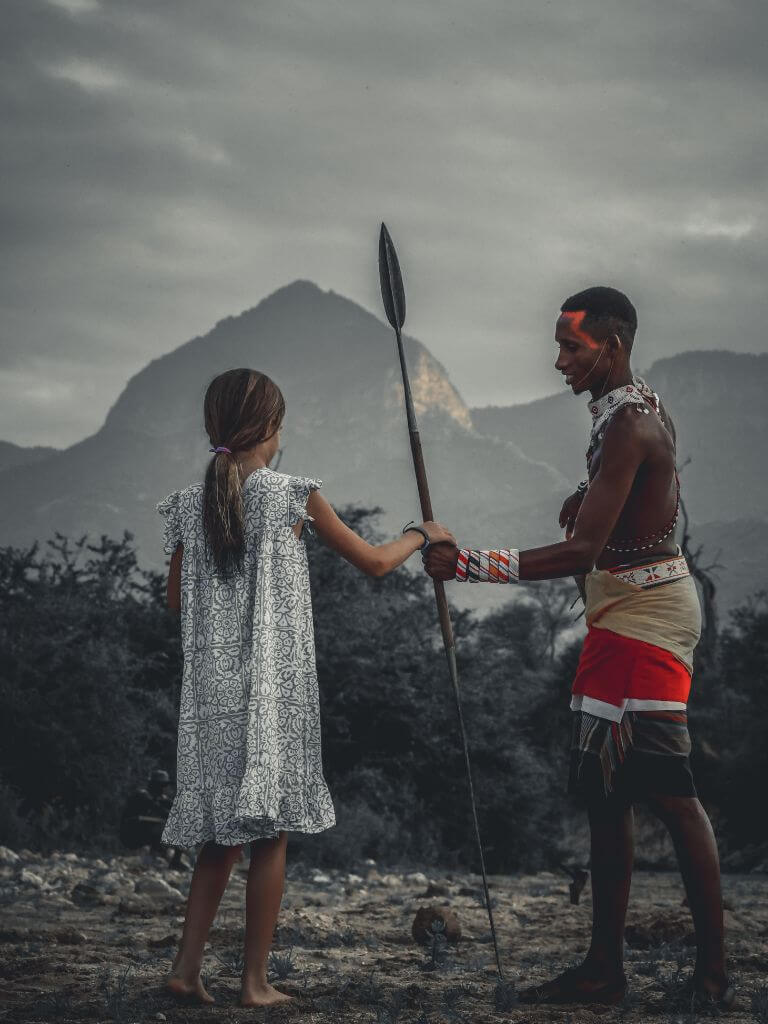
{"points": [[92, 940]]}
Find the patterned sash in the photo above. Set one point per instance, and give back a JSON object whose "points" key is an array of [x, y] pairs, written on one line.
{"points": [[664, 571]]}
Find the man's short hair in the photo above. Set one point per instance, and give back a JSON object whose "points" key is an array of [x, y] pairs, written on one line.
{"points": [[606, 307]]}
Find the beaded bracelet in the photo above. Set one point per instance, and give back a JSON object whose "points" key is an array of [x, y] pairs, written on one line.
{"points": [[498, 566]]}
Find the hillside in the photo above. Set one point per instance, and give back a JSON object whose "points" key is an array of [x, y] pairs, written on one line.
{"points": [[337, 367], [717, 402], [12, 455]]}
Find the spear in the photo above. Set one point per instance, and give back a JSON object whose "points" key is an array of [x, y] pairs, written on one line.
{"points": [[393, 294]]}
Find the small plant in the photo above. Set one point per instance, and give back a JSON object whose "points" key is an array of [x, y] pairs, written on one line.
{"points": [[344, 937], [649, 968], [674, 992], [679, 996], [281, 964], [294, 936], [391, 1011], [760, 1004], [450, 1002], [504, 996], [479, 895], [114, 988], [57, 1004], [472, 965], [629, 1006], [681, 959], [341, 995], [665, 950], [438, 946], [371, 992], [232, 962]]}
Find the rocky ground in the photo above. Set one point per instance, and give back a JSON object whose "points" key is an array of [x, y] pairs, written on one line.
{"points": [[92, 940]]}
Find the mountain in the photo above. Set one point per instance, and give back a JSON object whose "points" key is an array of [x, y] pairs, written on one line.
{"points": [[337, 367], [12, 455], [496, 474], [717, 402]]}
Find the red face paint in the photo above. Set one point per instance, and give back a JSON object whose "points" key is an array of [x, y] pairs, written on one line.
{"points": [[574, 321]]}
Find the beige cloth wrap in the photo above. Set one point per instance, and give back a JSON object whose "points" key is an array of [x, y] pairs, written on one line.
{"points": [[668, 616]]}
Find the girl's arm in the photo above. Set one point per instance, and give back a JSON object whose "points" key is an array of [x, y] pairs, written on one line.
{"points": [[373, 559], [173, 590]]}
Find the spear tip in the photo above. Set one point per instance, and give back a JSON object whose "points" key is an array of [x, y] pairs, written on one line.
{"points": [[392, 291]]}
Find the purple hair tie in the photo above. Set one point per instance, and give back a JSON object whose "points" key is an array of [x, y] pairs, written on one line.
{"points": [[221, 448]]}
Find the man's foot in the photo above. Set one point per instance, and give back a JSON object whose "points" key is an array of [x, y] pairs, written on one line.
{"points": [[263, 995], [188, 991], [577, 985]]}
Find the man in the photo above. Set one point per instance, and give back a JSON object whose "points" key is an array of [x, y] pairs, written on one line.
{"points": [[630, 737]]}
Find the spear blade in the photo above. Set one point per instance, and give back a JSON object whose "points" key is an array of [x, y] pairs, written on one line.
{"points": [[392, 291]]}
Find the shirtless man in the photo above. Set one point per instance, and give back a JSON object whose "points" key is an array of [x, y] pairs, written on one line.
{"points": [[630, 737]]}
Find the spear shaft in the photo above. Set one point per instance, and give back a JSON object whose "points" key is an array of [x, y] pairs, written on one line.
{"points": [[394, 303]]}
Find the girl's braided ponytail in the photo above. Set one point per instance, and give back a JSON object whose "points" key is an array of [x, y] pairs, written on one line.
{"points": [[242, 408]]}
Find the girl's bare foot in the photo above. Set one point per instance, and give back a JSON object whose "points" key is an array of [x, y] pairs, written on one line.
{"points": [[193, 991], [262, 995]]}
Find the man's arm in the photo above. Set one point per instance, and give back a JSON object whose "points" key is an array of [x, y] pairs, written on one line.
{"points": [[623, 450]]}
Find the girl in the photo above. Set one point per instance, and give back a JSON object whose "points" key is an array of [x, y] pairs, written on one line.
{"points": [[249, 755]]}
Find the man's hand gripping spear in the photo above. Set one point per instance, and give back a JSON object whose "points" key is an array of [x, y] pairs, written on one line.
{"points": [[393, 294]]}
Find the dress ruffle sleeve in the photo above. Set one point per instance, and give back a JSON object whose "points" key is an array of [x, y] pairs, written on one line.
{"points": [[169, 507], [300, 489]]}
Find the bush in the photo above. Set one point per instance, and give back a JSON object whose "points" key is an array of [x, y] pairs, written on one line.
{"points": [[90, 672], [730, 726], [90, 665], [389, 715]]}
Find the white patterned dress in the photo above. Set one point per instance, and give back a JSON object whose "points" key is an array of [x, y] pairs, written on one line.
{"points": [[249, 756]]}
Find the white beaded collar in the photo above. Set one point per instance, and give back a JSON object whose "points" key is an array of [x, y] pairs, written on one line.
{"points": [[636, 393]]}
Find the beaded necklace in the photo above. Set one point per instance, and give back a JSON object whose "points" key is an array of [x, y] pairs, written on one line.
{"points": [[639, 394]]}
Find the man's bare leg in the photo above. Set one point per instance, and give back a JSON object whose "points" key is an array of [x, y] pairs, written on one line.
{"points": [[612, 855], [601, 974], [694, 842], [213, 867], [264, 891]]}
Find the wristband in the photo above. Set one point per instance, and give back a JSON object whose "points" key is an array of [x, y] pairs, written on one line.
{"points": [[582, 487], [423, 533], [501, 566]]}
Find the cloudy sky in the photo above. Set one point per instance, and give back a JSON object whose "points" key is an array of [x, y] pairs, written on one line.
{"points": [[170, 162]]}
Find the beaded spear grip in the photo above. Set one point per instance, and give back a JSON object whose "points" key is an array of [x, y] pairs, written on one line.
{"points": [[498, 566]]}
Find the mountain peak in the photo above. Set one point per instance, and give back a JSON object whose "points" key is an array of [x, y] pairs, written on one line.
{"points": [[300, 298], [297, 290]]}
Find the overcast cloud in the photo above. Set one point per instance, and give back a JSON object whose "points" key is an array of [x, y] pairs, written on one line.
{"points": [[169, 163]]}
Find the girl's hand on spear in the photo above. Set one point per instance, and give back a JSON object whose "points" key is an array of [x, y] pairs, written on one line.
{"points": [[440, 561]]}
